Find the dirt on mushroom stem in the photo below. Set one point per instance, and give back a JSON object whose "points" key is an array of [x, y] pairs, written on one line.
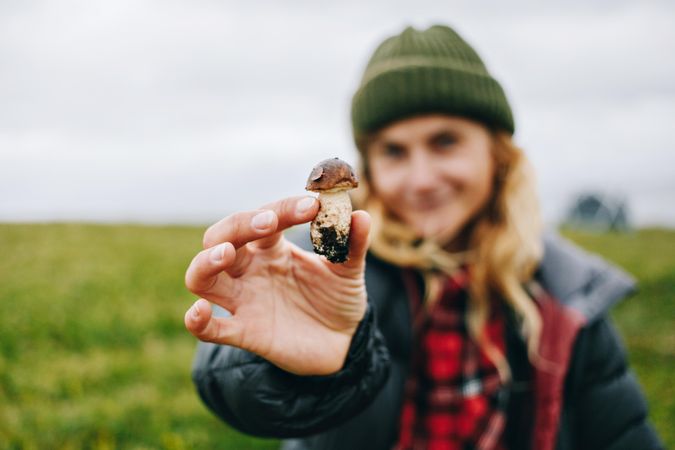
{"points": [[330, 228]]}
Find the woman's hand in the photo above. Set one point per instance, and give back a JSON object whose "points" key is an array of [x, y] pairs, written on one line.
{"points": [[292, 307]]}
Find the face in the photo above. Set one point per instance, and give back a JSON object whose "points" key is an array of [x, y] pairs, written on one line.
{"points": [[433, 172]]}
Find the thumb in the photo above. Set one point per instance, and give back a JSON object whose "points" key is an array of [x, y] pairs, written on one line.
{"points": [[359, 239]]}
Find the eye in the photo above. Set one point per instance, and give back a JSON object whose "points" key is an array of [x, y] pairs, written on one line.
{"points": [[393, 151], [444, 141]]}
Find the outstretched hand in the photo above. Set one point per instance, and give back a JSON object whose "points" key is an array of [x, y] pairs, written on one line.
{"points": [[292, 307]]}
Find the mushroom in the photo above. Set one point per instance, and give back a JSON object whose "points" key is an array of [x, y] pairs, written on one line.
{"points": [[332, 178]]}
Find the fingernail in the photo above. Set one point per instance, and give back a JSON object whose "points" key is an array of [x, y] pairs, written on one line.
{"points": [[216, 253], [194, 312], [262, 220], [305, 205]]}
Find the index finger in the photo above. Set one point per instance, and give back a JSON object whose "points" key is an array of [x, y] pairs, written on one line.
{"points": [[240, 228]]}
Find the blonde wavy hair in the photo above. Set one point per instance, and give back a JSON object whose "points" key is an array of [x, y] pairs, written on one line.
{"points": [[504, 247]]}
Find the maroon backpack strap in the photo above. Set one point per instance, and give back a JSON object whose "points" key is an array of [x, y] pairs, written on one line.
{"points": [[560, 327]]}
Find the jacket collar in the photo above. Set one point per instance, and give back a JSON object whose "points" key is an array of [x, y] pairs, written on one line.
{"points": [[580, 280]]}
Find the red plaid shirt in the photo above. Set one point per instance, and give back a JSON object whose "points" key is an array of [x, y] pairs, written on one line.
{"points": [[454, 399]]}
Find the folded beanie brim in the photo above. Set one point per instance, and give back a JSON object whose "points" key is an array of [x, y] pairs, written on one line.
{"points": [[397, 91]]}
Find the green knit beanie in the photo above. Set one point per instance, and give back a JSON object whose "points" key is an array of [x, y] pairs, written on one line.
{"points": [[431, 71]]}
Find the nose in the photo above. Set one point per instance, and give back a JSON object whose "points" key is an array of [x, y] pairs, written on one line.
{"points": [[421, 172]]}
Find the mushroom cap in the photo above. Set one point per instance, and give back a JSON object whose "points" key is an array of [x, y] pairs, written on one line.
{"points": [[331, 174]]}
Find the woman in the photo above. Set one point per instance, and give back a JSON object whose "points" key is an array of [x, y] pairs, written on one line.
{"points": [[460, 326]]}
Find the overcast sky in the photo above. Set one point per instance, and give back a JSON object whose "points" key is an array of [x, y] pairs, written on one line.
{"points": [[182, 111]]}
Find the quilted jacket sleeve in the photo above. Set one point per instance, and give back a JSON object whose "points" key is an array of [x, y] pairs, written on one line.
{"points": [[258, 398], [610, 408]]}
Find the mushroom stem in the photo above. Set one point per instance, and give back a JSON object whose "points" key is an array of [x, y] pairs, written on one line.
{"points": [[330, 228]]}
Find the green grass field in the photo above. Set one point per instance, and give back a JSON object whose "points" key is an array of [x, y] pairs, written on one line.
{"points": [[93, 353]]}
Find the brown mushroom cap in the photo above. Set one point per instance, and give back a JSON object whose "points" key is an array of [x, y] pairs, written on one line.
{"points": [[331, 174]]}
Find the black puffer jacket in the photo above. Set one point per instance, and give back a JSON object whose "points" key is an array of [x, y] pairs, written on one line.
{"points": [[595, 403]]}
